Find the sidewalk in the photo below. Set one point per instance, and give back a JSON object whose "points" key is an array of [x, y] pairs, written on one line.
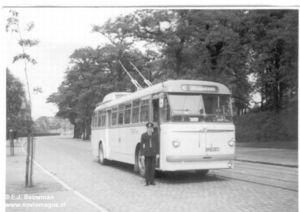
{"points": [[46, 194], [279, 157]]}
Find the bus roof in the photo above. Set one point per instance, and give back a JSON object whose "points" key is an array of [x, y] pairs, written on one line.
{"points": [[170, 86], [113, 96]]}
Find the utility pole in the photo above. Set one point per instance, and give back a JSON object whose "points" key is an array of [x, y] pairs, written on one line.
{"points": [[12, 152], [27, 162], [29, 158]]}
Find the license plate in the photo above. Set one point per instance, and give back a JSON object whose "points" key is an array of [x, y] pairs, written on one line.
{"points": [[212, 149]]}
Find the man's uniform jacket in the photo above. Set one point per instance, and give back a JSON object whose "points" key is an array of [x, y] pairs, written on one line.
{"points": [[149, 144]]}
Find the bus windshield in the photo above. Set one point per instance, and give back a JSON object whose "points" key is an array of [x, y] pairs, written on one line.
{"points": [[200, 107]]}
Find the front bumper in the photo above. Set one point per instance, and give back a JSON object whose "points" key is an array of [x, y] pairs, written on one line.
{"points": [[200, 158]]}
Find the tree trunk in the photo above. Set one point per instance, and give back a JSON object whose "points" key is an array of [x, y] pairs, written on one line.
{"points": [[75, 130], [87, 133], [89, 128], [83, 130], [262, 99], [276, 93]]}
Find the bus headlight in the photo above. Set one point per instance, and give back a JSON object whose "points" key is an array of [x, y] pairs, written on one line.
{"points": [[176, 143], [231, 142], [230, 164]]}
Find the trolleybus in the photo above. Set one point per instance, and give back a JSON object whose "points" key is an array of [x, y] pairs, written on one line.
{"points": [[192, 118]]}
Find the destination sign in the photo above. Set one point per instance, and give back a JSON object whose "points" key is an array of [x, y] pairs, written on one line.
{"points": [[201, 88]]}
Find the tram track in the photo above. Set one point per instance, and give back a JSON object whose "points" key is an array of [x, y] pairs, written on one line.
{"points": [[253, 167], [264, 184], [270, 178], [266, 178], [285, 178]]}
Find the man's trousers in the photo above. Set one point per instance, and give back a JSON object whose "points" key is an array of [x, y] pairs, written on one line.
{"points": [[150, 168]]}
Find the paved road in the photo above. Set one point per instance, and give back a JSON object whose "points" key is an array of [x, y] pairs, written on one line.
{"points": [[284, 157], [248, 187]]}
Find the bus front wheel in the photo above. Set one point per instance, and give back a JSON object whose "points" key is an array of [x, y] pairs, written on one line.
{"points": [[141, 164], [201, 172], [102, 160]]}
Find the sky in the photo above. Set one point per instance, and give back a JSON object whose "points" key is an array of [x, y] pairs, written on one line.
{"points": [[60, 31]]}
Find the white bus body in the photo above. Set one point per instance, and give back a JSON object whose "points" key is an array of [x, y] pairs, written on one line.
{"points": [[193, 120]]}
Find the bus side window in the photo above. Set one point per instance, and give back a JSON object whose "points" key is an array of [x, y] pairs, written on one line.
{"points": [[103, 119], [121, 114], [166, 110], [114, 116], [99, 119], [155, 110], [93, 120], [144, 116], [127, 113], [135, 111]]}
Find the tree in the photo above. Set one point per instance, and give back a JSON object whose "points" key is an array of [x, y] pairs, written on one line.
{"points": [[120, 36], [93, 75], [226, 46], [274, 36], [80, 91], [163, 28], [13, 26], [200, 44], [15, 99]]}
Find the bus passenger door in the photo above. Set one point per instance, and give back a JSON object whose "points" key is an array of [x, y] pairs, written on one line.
{"points": [[155, 119], [155, 115], [107, 130]]}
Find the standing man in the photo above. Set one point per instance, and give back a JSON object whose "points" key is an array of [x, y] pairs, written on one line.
{"points": [[149, 151]]}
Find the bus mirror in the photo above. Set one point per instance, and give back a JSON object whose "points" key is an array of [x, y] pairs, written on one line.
{"points": [[161, 102]]}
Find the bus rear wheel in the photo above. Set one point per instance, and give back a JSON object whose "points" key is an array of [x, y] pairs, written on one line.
{"points": [[202, 172], [141, 164], [102, 160]]}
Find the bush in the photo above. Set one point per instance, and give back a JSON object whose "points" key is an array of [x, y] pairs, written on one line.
{"points": [[267, 126], [38, 134]]}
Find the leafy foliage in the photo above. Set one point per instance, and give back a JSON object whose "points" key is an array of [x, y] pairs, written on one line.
{"points": [[248, 51], [28, 42], [24, 56], [15, 98], [13, 26], [268, 126], [274, 39]]}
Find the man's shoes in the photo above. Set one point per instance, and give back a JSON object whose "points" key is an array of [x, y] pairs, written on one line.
{"points": [[146, 184], [152, 183]]}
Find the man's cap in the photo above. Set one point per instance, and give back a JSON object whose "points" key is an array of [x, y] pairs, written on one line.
{"points": [[149, 124]]}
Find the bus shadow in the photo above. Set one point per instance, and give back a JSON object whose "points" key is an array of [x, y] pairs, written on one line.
{"points": [[125, 167], [182, 177], [179, 177]]}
